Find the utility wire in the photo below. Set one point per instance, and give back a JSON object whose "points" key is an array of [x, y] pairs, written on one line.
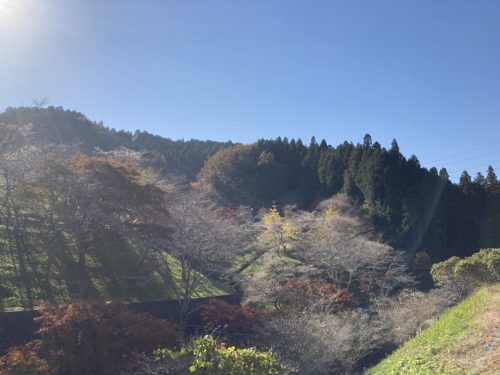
{"points": [[463, 152], [473, 157], [476, 166]]}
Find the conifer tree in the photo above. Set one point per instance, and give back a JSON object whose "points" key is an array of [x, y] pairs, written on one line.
{"points": [[394, 147], [367, 141], [479, 179], [465, 182], [443, 173], [491, 177]]}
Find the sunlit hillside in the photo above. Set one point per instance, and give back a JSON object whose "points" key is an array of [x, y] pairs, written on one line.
{"points": [[463, 340]]}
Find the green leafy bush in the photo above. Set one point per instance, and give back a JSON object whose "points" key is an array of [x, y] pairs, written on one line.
{"points": [[482, 267], [207, 356]]}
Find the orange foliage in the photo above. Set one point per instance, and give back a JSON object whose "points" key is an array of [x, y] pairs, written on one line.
{"points": [[82, 164], [298, 294], [88, 338], [23, 361], [227, 212], [195, 185], [229, 318]]}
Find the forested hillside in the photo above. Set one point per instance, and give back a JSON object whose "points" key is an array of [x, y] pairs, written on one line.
{"points": [[417, 209], [76, 223], [59, 126], [327, 252]]}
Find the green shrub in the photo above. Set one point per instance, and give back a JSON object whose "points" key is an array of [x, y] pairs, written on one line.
{"points": [[207, 356], [482, 267]]}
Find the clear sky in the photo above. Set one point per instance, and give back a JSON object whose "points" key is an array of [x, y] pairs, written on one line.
{"points": [[426, 72]]}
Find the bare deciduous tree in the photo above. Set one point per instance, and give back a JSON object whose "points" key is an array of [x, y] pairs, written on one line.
{"points": [[204, 242], [401, 315], [322, 343], [338, 246]]}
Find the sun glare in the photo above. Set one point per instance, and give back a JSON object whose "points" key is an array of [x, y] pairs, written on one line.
{"points": [[5, 6], [11, 10], [18, 19], [6, 9]]}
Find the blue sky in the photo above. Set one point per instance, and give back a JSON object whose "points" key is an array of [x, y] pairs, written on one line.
{"points": [[424, 72]]}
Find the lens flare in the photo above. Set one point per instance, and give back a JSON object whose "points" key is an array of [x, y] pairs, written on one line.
{"points": [[6, 9]]}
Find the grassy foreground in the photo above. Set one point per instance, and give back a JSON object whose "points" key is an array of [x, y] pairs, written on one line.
{"points": [[464, 340]]}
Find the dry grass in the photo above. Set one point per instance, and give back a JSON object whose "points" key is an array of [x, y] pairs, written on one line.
{"points": [[464, 340], [480, 352]]}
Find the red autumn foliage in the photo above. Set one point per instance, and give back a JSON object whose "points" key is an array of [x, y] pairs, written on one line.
{"points": [[230, 318], [227, 212], [24, 360], [301, 294], [82, 164], [87, 338]]}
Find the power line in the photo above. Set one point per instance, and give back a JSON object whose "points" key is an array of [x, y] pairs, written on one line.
{"points": [[463, 152], [472, 157], [476, 166]]}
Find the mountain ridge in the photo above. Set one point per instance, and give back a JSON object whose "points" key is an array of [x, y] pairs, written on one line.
{"points": [[418, 209]]}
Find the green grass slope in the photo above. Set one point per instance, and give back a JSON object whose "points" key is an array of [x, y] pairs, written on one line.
{"points": [[114, 273], [464, 340]]}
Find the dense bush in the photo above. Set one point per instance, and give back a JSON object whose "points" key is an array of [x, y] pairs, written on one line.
{"points": [[463, 275], [87, 338], [207, 356]]}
